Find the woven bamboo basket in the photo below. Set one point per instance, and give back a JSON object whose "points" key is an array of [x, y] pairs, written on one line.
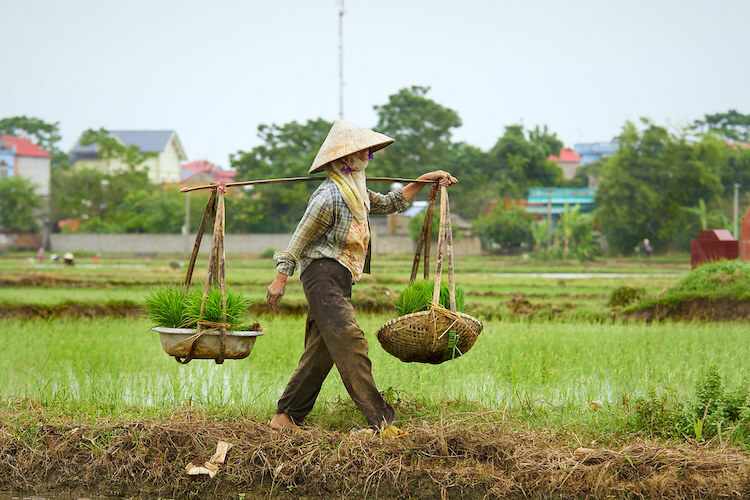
{"points": [[439, 334]]}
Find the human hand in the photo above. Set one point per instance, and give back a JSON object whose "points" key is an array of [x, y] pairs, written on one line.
{"points": [[276, 290], [444, 178]]}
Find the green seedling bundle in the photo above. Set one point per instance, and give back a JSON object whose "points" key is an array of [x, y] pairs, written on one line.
{"points": [[417, 297], [169, 306]]}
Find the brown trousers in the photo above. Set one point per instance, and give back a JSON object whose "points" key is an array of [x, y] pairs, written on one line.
{"points": [[332, 336]]}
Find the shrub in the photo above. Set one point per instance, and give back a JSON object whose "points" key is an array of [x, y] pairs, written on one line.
{"points": [[625, 295], [268, 253], [708, 414]]}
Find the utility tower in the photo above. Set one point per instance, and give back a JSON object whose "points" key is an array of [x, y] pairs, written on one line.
{"points": [[341, 60]]}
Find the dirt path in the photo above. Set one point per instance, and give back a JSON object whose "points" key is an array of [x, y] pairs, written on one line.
{"points": [[46, 456]]}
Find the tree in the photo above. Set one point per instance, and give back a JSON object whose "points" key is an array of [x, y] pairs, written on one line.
{"points": [[45, 135], [732, 125], [508, 228], [288, 151], [521, 163], [110, 148], [645, 184], [477, 187], [716, 219], [575, 233], [422, 129], [18, 201]]}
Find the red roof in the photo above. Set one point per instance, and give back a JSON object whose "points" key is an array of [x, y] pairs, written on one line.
{"points": [[199, 166], [193, 168], [25, 147], [566, 156]]}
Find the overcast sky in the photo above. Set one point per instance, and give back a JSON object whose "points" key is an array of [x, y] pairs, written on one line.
{"points": [[215, 70]]}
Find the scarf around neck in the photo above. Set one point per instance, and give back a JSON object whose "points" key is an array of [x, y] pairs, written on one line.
{"points": [[349, 175]]}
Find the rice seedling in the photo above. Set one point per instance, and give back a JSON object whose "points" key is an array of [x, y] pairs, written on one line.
{"points": [[417, 296], [169, 306], [237, 306], [165, 306]]}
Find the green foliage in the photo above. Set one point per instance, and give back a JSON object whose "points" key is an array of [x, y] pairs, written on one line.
{"points": [[735, 169], [711, 412], [110, 148], [719, 279], [625, 295], [165, 306], [287, 151], [124, 202], [716, 220], [541, 234], [417, 296], [520, 163], [478, 186], [574, 234], [645, 185], [422, 129], [732, 124], [18, 201], [169, 306], [45, 135], [268, 253], [509, 228]]}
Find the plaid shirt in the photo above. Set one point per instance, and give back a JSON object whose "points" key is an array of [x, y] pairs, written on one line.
{"points": [[322, 231]]}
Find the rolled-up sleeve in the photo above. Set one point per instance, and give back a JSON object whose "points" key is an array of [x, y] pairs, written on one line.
{"points": [[383, 204], [317, 219]]}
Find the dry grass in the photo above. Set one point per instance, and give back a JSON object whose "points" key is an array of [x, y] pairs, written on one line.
{"points": [[45, 453]]}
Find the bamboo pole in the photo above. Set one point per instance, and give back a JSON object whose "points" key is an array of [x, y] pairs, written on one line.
{"points": [[208, 212], [449, 244], [424, 235], [297, 179], [220, 221], [441, 244]]}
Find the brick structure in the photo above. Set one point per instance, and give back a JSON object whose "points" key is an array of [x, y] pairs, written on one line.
{"points": [[713, 244]]}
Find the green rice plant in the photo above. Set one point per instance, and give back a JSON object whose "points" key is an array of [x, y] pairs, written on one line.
{"points": [[237, 306], [165, 306], [417, 296]]}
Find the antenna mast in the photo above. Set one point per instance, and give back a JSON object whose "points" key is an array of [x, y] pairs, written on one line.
{"points": [[341, 60]]}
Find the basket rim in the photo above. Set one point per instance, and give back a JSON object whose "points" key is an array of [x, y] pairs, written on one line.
{"points": [[422, 313], [188, 331]]}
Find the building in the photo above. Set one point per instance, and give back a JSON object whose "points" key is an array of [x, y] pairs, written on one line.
{"points": [[592, 151], [19, 157], [568, 161], [164, 167], [204, 172], [550, 202]]}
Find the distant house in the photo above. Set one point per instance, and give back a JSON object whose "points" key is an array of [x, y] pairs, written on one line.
{"points": [[19, 157], [592, 151], [550, 202], [164, 167], [568, 160], [203, 171]]}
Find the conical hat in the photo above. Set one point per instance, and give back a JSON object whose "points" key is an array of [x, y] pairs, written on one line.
{"points": [[345, 138]]}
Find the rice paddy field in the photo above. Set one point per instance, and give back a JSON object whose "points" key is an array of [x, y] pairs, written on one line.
{"points": [[555, 359]]}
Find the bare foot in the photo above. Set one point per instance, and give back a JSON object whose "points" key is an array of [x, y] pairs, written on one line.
{"points": [[281, 421]]}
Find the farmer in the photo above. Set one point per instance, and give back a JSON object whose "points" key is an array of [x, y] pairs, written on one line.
{"points": [[331, 249]]}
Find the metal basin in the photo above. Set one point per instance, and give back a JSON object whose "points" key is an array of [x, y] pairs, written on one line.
{"points": [[177, 341]]}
